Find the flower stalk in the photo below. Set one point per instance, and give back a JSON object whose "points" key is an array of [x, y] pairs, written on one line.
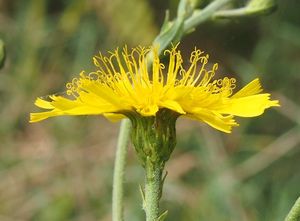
{"points": [[118, 178], [153, 189]]}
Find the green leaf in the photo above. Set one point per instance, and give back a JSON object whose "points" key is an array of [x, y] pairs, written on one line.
{"points": [[172, 33], [143, 195], [185, 9], [163, 216], [166, 25], [258, 7]]}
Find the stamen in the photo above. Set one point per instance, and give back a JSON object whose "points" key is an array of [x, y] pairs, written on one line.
{"points": [[125, 72]]}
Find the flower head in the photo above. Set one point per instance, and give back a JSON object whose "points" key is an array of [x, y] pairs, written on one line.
{"points": [[123, 85]]}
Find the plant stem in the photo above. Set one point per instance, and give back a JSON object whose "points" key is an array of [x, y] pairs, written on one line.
{"points": [[201, 16], [294, 213], [153, 189], [233, 13], [120, 161]]}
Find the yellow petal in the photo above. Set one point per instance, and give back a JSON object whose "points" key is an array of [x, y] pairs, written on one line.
{"points": [[254, 87], [114, 117], [249, 106], [172, 105], [105, 93], [87, 104], [63, 103], [35, 117], [147, 110], [217, 121], [43, 104]]}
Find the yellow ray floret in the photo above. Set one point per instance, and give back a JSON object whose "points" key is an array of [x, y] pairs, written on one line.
{"points": [[124, 83]]}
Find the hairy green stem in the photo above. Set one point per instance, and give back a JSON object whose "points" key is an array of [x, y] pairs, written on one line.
{"points": [[233, 13], [118, 179], [200, 16], [294, 214], [153, 189]]}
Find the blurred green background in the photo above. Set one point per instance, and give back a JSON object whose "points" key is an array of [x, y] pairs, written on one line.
{"points": [[61, 169]]}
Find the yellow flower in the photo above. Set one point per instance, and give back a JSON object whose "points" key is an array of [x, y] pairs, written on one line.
{"points": [[124, 84]]}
